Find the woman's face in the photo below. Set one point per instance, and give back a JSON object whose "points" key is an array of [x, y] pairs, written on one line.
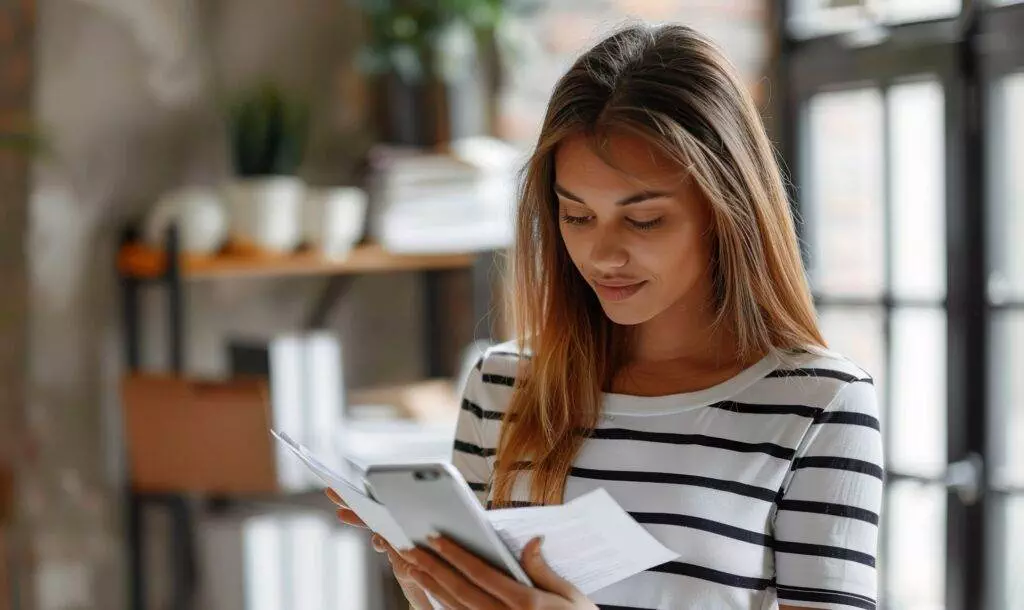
{"points": [[640, 237]]}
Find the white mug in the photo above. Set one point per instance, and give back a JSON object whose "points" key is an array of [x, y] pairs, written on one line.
{"points": [[334, 219]]}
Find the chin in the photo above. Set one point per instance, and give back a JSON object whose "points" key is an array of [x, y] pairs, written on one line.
{"points": [[625, 314]]}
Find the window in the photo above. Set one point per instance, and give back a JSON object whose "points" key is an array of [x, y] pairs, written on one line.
{"points": [[1006, 279], [911, 198], [875, 225], [914, 554], [846, 185], [1007, 461], [917, 189]]}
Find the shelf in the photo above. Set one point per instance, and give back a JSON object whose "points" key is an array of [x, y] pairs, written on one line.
{"points": [[143, 262]]}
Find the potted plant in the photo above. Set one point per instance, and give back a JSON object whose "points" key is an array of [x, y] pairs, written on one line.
{"points": [[424, 53], [268, 130]]}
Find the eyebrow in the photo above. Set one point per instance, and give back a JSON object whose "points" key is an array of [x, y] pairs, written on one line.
{"points": [[637, 198]]}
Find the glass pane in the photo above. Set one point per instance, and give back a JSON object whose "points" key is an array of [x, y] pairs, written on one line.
{"points": [[1006, 279], [918, 189], [858, 334], [917, 413], [903, 11], [844, 180], [1007, 396], [809, 18], [1006, 536], [914, 560]]}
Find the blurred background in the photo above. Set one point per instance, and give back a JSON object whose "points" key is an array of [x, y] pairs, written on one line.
{"points": [[219, 216]]}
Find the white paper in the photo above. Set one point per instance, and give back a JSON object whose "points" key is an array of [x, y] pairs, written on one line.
{"points": [[590, 541], [373, 513]]}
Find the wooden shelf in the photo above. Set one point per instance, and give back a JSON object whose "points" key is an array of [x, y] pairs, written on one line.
{"points": [[143, 262]]}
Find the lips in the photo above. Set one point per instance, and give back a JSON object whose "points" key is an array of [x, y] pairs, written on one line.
{"points": [[618, 290]]}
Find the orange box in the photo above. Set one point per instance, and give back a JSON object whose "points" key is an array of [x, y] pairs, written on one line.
{"points": [[198, 436]]}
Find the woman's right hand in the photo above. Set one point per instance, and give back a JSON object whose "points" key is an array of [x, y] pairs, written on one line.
{"points": [[401, 567]]}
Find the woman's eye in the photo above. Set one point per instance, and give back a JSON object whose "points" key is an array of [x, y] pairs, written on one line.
{"points": [[645, 225], [574, 220]]}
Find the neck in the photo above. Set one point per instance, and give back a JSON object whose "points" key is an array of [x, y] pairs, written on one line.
{"points": [[684, 332]]}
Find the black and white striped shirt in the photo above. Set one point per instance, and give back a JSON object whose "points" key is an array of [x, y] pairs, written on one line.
{"points": [[769, 484]]}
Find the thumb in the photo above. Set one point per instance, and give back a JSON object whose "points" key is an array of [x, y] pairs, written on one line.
{"points": [[542, 575]]}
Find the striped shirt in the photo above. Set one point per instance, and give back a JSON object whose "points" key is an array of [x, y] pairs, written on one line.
{"points": [[769, 485]]}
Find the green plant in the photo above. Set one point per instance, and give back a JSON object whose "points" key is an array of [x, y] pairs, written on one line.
{"points": [[406, 35], [268, 130]]}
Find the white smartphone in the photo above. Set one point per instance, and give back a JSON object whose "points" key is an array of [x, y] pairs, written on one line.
{"points": [[433, 498]]}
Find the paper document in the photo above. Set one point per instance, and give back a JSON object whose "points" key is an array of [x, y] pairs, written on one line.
{"points": [[590, 541], [373, 513]]}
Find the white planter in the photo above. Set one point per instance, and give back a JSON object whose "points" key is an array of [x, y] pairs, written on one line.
{"points": [[200, 216], [334, 219], [266, 212]]}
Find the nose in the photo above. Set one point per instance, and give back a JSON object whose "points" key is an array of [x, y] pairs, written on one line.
{"points": [[608, 253]]}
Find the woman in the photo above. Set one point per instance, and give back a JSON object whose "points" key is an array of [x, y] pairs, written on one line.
{"points": [[671, 356]]}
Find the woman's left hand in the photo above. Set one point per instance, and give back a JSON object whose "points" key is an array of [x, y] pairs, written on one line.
{"points": [[462, 581]]}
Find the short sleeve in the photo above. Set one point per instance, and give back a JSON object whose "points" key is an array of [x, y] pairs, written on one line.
{"points": [[472, 448], [826, 524]]}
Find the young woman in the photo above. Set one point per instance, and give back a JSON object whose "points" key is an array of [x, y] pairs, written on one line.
{"points": [[668, 352]]}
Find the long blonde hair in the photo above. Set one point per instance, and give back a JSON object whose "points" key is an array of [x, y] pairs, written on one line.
{"points": [[672, 86]]}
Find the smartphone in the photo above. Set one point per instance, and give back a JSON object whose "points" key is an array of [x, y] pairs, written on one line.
{"points": [[433, 498]]}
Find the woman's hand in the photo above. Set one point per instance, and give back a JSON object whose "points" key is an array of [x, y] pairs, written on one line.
{"points": [[417, 598], [462, 581]]}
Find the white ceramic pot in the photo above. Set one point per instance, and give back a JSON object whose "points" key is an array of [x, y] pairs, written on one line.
{"points": [[200, 215], [334, 219], [266, 212]]}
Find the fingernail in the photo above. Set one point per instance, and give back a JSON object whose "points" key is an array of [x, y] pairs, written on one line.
{"points": [[332, 495], [434, 540], [538, 541]]}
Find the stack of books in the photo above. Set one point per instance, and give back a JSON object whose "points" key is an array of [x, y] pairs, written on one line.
{"points": [[462, 200]]}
